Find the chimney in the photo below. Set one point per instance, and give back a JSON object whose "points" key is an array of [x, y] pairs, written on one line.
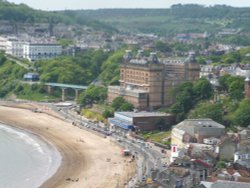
{"points": [[247, 87], [127, 56], [153, 57], [139, 54]]}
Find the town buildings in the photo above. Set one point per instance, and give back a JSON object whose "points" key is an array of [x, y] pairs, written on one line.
{"points": [[195, 131], [37, 51], [141, 121], [191, 136], [226, 147], [205, 141], [3, 43], [31, 77], [30, 48], [147, 82], [224, 184], [185, 172]]}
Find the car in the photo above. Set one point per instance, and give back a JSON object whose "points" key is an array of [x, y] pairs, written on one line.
{"points": [[106, 129]]}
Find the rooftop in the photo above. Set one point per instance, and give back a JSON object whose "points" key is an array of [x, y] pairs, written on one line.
{"points": [[142, 114], [229, 184], [188, 123], [132, 90], [192, 125], [43, 44], [121, 123], [139, 61]]}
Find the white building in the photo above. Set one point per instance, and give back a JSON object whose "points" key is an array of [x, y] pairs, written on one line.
{"points": [[22, 47], [211, 141], [3, 43], [37, 51], [176, 152], [14, 48], [242, 72], [241, 156]]}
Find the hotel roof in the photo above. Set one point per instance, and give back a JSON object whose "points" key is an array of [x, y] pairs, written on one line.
{"points": [[142, 114]]}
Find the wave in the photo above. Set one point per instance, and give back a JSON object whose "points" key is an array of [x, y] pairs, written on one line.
{"points": [[23, 136], [37, 161]]}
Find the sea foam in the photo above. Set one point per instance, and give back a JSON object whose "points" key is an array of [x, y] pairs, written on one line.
{"points": [[26, 159]]}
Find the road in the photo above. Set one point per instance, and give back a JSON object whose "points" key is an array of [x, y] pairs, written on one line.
{"points": [[149, 157], [20, 63]]}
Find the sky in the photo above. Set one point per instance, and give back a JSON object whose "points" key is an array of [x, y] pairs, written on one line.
{"points": [[97, 4]]}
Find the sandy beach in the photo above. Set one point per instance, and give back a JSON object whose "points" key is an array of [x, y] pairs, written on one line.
{"points": [[88, 161]]}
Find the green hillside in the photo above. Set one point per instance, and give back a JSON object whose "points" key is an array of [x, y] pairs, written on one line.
{"points": [[22, 13], [179, 18], [167, 22]]}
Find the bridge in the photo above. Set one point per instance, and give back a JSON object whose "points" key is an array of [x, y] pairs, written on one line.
{"points": [[64, 88]]}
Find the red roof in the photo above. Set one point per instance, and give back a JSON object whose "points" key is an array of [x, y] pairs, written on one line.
{"points": [[200, 162]]}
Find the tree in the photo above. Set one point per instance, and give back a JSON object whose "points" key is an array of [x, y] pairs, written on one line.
{"points": [[184, 100], [234, 85], [223, 81], [126, 107], [107, 113], [242, 114], [162, 47], [203, 89], [111, 69], [233, 57], [221, 164], [65, 42], [81, 69], [208, 110], [119, 103], [93, 94], [236, 88], [184, 96]]}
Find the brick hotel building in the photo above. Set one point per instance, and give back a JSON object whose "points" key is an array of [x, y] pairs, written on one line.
{"points": [[146, 82]]}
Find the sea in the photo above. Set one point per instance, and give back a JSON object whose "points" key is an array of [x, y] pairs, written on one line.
{"points": [[26, 160]]}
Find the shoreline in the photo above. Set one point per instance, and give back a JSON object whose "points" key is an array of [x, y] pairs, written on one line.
{"points": [[83, 155], [41, 145]]}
